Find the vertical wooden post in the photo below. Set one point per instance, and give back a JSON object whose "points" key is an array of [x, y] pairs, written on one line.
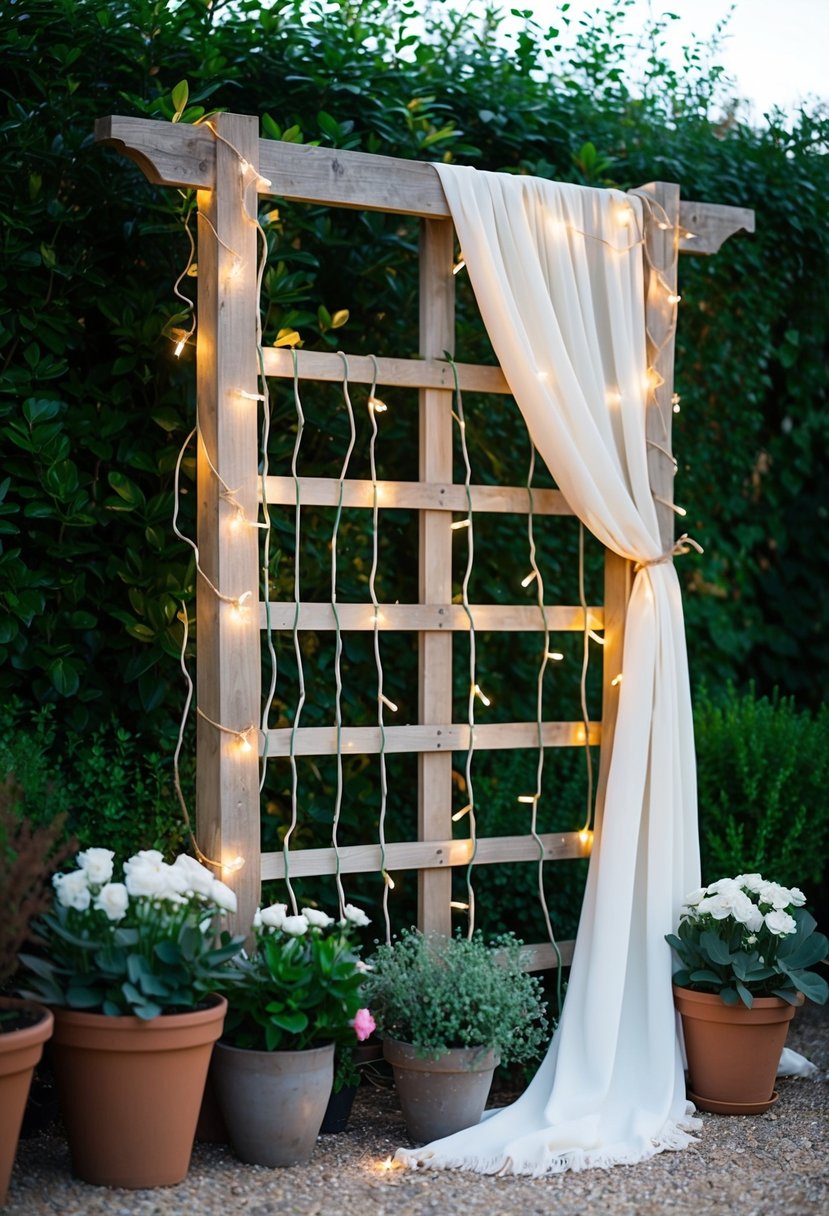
{"points": [[661, 248], [228, 643], [437, 334]]}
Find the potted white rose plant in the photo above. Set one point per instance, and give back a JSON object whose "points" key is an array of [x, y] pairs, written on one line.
{"points": [[744, 946], [131, 966], [292, 1000]]}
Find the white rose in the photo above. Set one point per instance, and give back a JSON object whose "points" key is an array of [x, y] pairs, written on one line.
{"points": [[317, 919], [751, 882], [356, 916], [144, 874], [257, 919], [113, 899], [221, 894], [772, 893], [705, 905], [797, 898], [273, 917], [72, 890], [719, 907], [295, 925], [780, 923], [198, 878], [724, 886], [97, 865], [742, 908], [754, 921]]}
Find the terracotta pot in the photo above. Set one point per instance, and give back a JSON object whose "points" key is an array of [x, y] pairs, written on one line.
{"points": [[273, 1102], [130, 1091], [442, 1096], [732, 1051], [20, 1050]]}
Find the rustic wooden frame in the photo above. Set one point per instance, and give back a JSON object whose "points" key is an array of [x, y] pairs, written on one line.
{"points": [[229, 642]]}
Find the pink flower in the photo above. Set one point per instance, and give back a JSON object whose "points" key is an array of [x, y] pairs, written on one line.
{"points": [[364, 1024]]}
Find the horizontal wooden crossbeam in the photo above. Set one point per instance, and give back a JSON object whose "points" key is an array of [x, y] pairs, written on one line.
{"points": [[414, 496], [390, 373], [183, 155], [446, 618], [453, 737], [426, 855]]}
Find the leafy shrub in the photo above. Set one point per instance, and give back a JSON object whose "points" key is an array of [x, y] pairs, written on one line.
{"points": [[763, 768]]}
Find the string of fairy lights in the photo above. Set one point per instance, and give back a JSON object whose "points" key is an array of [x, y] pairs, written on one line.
{"points": [[247, 736]]}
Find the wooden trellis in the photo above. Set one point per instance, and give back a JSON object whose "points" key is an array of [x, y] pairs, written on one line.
{"points": [[229, 167]]}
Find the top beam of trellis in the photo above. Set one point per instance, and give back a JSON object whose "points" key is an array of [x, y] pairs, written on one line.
{"points": [[186, 156]]}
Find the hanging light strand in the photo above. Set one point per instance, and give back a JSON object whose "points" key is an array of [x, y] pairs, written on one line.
{"points": [[588, 755], [338, 641], [474, 688], [286, 841], [382, 700], [539, 722]]}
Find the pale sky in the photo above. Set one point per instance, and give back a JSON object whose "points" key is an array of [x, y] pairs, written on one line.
{"points": [[777, 50]]}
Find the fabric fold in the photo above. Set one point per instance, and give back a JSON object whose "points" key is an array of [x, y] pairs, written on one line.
{"points": [[558, 276]]}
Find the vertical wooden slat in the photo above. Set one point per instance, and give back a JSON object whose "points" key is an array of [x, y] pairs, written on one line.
{"points": [[228, 662], [437, 334], [661, 250]]}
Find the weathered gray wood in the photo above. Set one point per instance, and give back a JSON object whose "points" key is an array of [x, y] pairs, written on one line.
{"points": [[398, 373], [705, 227]]}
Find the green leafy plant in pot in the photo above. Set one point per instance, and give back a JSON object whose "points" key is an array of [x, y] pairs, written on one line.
{"points": [[293, 999], [744, 945], [449, 1010], [131, 965]]}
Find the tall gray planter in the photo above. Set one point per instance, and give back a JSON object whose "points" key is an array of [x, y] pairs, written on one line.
{"points": [[440, 1096], [273, 1102]]}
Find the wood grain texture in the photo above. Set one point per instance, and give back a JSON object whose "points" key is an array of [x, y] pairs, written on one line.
{"points": [[441, 618], [434, 740], [398, 373], [414, 495], [424, 855], [227, 663]]}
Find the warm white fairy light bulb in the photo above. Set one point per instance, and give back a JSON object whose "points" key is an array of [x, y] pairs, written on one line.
{"points": [[616, 680], [458, 905], [460, 523], [674, 298], [555, 655], [389, 704], [388, 880], [233, 865], [463, 811], [180, 345], [376, 405], [525, 582], [528, 798], [482, 697], [459, 265]]}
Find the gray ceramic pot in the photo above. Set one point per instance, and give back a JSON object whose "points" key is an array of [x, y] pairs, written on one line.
{"points": [[442, 1096], [273, 1102]]}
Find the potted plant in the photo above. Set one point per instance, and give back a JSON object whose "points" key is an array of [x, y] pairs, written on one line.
{"points": [[349, 1060], [28, 854], [291, 1000], [131, 969], [744, 945], [449, 1010]]}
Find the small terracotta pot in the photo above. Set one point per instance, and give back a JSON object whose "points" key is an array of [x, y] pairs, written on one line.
{"points": [[130, 1091], [20, 1051], [444, 1095], [732, 1051]]}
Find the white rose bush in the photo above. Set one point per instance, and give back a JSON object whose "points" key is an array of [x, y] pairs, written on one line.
{"points": [[147, 942], [746, 937], [300, 986]]}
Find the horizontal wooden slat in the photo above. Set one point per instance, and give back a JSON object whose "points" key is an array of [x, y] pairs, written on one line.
{"points": [[414, 496], [424, 855], [183, 155], [540, 956], [391, 373], [489, 736], [444, 618]]}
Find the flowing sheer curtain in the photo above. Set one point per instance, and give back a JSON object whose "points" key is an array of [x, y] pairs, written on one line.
{"points": [[558, 276]]}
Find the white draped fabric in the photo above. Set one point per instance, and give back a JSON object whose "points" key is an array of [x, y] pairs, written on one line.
{"points": [[565, 314]]}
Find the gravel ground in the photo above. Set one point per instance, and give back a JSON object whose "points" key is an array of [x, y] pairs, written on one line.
{"points": [[761, 1165]]}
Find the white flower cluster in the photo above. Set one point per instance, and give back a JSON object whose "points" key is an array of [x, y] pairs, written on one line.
{"points": [[275, 917], [145, 875], [748, 899]]}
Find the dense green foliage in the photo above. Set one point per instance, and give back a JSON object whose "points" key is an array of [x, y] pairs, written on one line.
{"points": [[94, 407]]}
